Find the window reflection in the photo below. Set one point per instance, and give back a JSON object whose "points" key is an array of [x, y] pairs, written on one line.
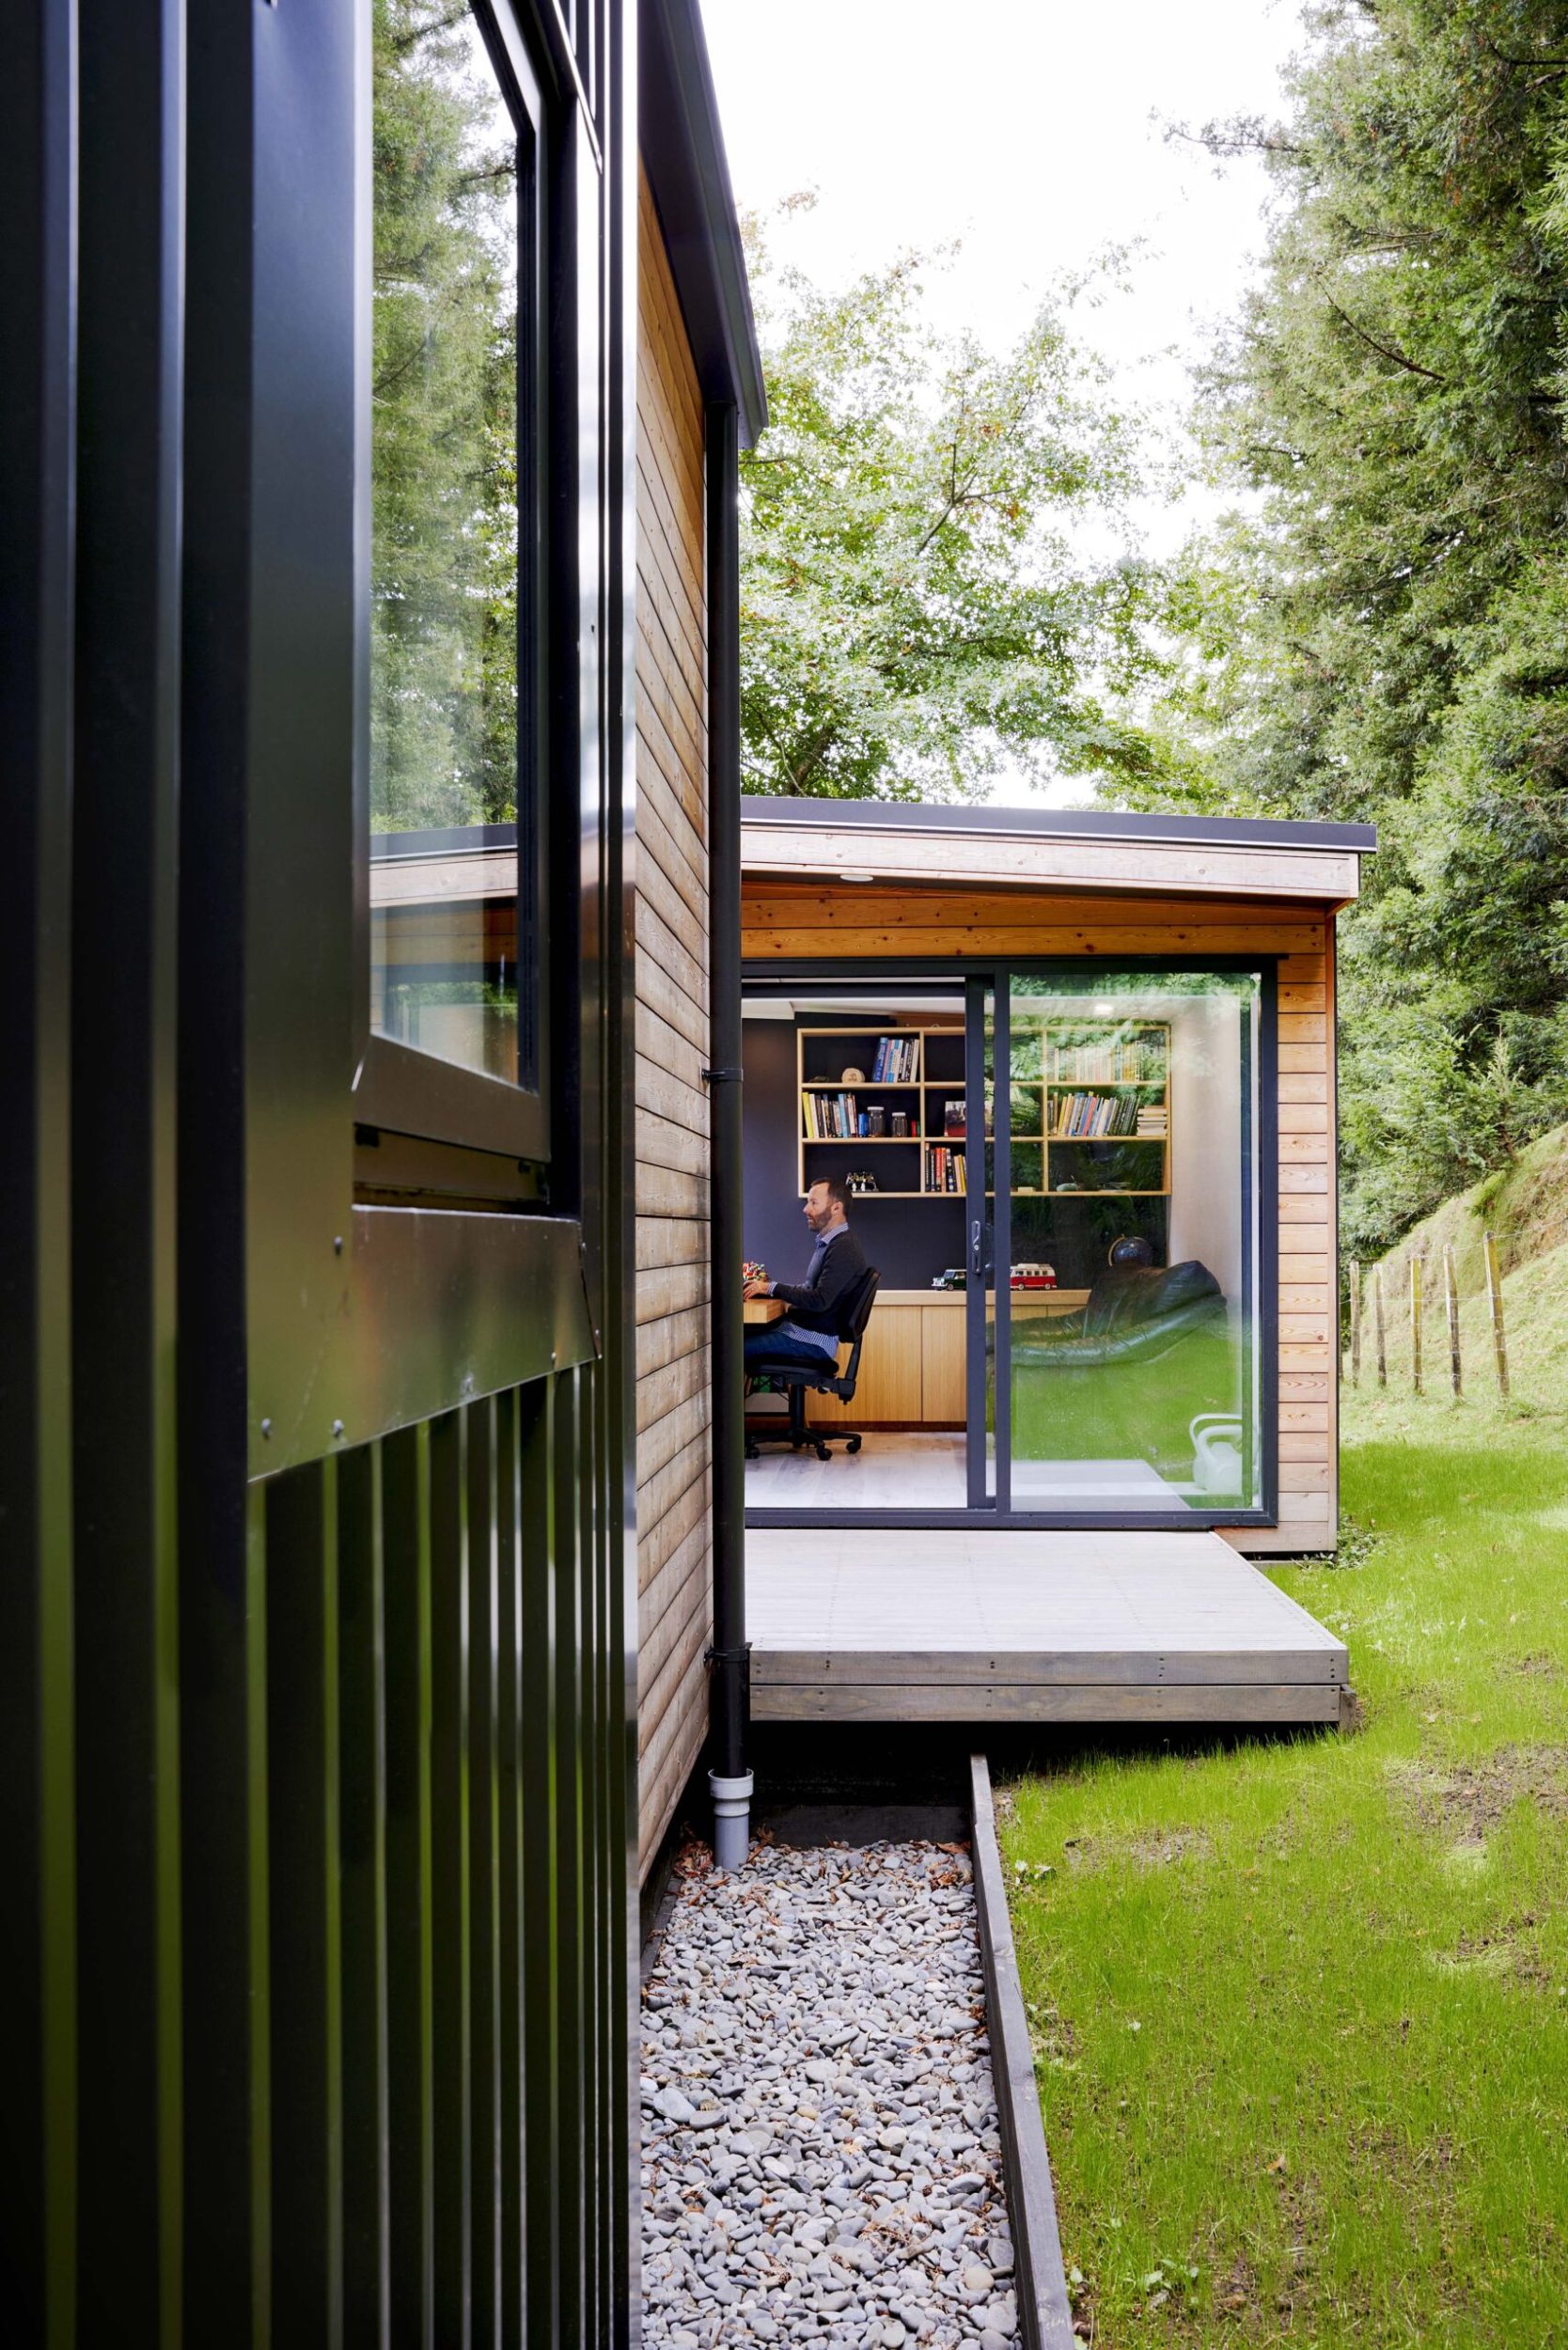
{"points": [[444, 547], [1143, 1201]]}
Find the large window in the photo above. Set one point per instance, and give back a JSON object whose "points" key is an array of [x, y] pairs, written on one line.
{"points": [[1062, 1175], [1131, 1140], [456, 701]]}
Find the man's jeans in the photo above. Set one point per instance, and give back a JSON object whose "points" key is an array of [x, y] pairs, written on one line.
{"points": [[777, 1344]]}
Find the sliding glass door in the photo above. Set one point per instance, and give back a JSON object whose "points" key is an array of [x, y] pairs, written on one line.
{"points": [[1115, 1359]]}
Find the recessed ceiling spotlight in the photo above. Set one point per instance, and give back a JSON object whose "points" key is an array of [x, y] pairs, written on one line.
{"points": [[857, 872]]}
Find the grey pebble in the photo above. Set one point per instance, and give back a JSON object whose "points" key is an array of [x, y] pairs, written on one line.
{"points": [[822, 2163]]}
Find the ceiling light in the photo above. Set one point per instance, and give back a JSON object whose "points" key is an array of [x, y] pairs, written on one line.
{"points": [[857, 872]]}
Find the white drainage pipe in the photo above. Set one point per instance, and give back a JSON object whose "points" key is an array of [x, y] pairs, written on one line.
{"points": [[731, 1820]]}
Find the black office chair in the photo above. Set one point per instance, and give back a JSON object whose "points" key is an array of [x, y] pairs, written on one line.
{"points": [[799, 1380]]}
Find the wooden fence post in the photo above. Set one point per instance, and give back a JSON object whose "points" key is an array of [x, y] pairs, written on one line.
{"points": [[1377, 1320], [1494, 1304], [1354, 1324], [1451, 1302], [1414, 1321]]}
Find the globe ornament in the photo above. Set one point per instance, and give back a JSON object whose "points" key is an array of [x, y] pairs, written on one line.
{"points": [[1126, 1251]]}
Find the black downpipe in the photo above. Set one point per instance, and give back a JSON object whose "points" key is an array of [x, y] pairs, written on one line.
{"points": [[730, 1685]]}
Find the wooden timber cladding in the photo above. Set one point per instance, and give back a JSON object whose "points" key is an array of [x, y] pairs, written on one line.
{"points": [[783, 918], [674, 1483]]}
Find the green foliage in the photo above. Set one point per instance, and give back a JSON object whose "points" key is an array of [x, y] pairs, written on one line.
{"points": [[1300, 2007], [444, 408], [916, 607], [1379, 634]]}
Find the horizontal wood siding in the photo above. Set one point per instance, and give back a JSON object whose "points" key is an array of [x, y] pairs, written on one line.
{"points": [[674, 1458], [782, 920]]}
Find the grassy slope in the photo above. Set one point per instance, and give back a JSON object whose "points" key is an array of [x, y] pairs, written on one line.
{"points": [[1527, 1212], [1302, 2008]]}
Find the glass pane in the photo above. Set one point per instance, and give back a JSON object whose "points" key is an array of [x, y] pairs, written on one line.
{"points": [[828, 1068], [444, 540], [994, 1068], [1134, 1371]]}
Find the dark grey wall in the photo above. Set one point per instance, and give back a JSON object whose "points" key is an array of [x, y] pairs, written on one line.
{"points": [[907, 1240]]}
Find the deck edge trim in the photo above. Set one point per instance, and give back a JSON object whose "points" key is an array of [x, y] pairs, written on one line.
{"points": [[1095, 1668]]}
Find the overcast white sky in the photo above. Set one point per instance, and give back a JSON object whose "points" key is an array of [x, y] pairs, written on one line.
{"points": [[1022, 128]]}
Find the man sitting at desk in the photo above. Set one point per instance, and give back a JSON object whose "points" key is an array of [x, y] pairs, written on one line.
{"points": [[810, 1329]]}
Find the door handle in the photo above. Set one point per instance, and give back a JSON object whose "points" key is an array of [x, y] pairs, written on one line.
{"points": [[977, 1249]]}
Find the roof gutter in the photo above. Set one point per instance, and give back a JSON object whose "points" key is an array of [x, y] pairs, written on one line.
{"points": [[904, 817]]}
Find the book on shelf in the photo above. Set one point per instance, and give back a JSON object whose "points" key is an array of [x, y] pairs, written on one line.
{"points": [[1124, 1061], [1098, 1117], [831, 1117], [946, 1171], [838, 1117], [897, 1061], [954, 1117]]}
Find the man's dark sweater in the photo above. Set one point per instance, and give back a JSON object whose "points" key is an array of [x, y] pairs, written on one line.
{"points": [[818, 1304]]}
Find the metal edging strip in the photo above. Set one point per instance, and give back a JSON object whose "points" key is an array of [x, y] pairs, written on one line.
{"points": [[1044, 2311]]}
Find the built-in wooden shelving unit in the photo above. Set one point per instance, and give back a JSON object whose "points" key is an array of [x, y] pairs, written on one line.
{"points": [[935, 1056], [1099, 1105], [1096, 1076]]}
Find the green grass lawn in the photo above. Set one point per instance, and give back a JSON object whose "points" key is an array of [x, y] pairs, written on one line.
{"points": [[1301, 2008]]}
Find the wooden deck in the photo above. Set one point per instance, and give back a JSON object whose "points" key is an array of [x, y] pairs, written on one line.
{"points": [[850, 1626]]}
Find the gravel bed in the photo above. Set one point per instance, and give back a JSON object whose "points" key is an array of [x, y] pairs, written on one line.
{"points": [[821, 2157]]}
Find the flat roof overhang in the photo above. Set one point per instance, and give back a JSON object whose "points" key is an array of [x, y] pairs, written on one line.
{"points": [[904, 846], [900, 844]]}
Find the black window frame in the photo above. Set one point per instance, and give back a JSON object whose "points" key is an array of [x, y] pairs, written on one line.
{"points": [[398, 1088], [382, 1284], [874, 973]]}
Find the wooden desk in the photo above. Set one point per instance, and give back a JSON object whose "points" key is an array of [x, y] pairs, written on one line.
{"points": [[912, 1365]]}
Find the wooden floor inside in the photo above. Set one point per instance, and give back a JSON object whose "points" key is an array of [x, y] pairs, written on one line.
{"points": [[995, 1625]]}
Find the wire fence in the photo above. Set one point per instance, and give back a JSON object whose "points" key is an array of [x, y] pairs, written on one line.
{"points": [[1365, 1286]]}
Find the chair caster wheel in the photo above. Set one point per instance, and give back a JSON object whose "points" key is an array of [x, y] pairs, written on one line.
{"points": [[823, 1454], [851, 1443], [753, 1452]]}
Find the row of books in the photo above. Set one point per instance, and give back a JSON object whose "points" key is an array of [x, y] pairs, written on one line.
{"points": [[831, 1116], [1086, 1116], [946, 1171], [838, 1117], [1131, 1061], [897, 1061]]}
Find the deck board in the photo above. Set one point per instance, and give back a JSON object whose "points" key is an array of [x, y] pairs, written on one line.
{"points": [[861, 1624]]}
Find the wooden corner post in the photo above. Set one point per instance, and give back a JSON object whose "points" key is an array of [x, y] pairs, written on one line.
{"points": [[1495, 1306]]}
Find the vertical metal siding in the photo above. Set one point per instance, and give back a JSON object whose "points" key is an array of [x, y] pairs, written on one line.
{"points": [[316, 1797], [37, 421], [442, 2025]]}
